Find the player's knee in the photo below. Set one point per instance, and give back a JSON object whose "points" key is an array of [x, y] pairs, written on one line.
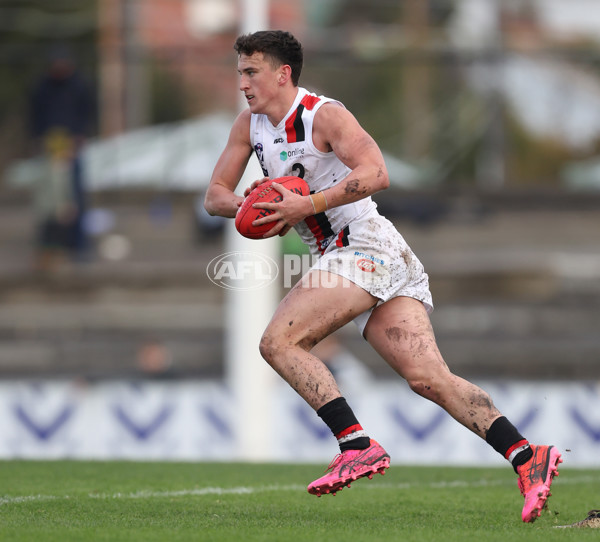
{"points": [[268, 347], [425, 387]]}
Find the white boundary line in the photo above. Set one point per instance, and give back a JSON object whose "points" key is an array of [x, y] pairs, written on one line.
{"points": [[244, 490]]}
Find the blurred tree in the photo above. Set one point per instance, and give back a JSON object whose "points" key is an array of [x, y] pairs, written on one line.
{"points": [[393, 63], [168, 101]]}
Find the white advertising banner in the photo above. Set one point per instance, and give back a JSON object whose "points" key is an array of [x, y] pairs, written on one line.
{"points": [[196, 420]]}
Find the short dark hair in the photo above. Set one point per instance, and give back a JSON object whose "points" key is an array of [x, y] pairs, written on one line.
{"points": [[279, 46]]}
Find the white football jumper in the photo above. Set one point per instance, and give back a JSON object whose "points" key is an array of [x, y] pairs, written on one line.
{"points": [[352, 240]]}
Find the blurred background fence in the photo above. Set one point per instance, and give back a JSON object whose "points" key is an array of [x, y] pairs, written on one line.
{"points": [[488, 112]]}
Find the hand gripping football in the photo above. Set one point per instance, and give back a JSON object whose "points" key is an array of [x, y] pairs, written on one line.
{"points": [[265, 193]]}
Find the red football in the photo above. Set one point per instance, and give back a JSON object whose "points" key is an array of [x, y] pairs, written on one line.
{"points": [[265, 193]]}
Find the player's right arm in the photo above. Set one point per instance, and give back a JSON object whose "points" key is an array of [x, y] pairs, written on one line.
{"points": [[220, 198]]}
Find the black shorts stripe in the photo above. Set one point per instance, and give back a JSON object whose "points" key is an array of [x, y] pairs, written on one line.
{"points": [[343, 237], [324, 225]]}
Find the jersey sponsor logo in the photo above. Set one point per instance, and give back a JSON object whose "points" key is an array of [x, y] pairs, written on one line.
{"points": [[284, 155], [278, 140], [369, 257], [366, 265]]}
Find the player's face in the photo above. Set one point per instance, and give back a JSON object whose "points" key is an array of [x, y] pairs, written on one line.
{"points": [[258, 81]]}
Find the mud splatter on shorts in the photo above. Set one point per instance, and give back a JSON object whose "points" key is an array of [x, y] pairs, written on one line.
{"points": [[378, 259]]}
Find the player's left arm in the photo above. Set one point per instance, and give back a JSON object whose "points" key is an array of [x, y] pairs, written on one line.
{"points": [[336, 129]]}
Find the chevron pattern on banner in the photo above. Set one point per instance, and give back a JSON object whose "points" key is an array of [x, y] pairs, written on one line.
{"points": [[196, 421]]}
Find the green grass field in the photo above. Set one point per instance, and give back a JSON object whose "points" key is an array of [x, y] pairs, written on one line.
{"points": [[89, 501]]}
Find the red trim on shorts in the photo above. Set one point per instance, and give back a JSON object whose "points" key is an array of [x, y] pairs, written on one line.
{"points": [[321, 229], [516, 445], [316, 230], [342, 238]]}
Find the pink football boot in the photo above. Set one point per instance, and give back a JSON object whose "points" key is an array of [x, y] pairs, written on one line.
{"points": [[535, 478], [349, 466]]}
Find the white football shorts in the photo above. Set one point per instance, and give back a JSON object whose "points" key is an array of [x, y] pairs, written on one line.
{"points": [[378, 259]]}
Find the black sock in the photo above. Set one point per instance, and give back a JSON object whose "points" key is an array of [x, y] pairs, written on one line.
{"points": [[339, 417], [505, 438]]}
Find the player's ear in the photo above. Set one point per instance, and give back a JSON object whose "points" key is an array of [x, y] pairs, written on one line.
{"points": [[285, 73]]}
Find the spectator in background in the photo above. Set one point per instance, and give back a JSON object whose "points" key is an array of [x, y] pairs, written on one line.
{"points": [[62, 110], [154, 360]]}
